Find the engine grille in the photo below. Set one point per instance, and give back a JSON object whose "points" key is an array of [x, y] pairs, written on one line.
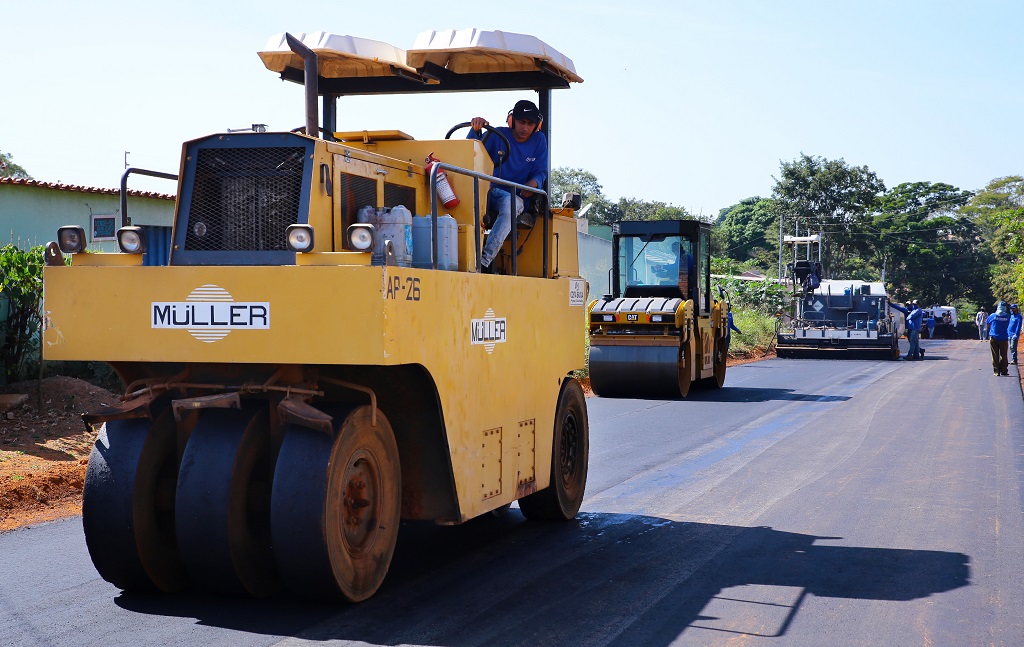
{"points": [[244, 198]]}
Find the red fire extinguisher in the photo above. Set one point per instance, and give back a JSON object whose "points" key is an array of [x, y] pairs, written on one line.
{"points": [[444, 188]]}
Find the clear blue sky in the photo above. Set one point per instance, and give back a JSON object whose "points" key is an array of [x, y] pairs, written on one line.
{"points": [[690, 103]]}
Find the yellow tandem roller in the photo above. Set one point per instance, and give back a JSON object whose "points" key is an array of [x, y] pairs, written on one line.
{"points": [[660, 330]]}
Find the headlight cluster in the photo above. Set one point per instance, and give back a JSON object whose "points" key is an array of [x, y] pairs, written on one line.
{"points": [[71, 240], [132, 240]]}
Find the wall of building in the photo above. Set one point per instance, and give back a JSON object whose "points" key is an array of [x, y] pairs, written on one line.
{"points": [[31, 212]]}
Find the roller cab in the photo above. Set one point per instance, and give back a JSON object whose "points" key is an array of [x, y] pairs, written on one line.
{"points": [[661, 329]]}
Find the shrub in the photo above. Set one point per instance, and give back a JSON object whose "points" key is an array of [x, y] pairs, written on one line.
{"points": [[21, 291]]}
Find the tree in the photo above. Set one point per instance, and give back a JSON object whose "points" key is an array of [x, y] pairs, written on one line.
{"points": [[567, 180], [928, 249], [998, 209], [21, 289], [9, 169], [832, 197], [602, 210], [637, 209], [748, 232]]}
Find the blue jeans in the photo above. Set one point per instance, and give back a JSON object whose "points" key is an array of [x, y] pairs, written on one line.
{"points": [[1013, 349], [915, 344], [500, 201]]}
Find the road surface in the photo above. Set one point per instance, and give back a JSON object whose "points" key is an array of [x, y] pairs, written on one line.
{"points": [[810, 502]]}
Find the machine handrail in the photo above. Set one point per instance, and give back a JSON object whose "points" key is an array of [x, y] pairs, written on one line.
{"points": [[124, 188], [436, 168]]}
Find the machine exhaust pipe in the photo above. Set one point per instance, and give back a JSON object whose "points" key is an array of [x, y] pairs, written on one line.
{"points": [[311, 71]]}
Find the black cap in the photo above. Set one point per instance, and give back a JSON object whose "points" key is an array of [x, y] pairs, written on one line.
{"points": [[527, 110]]}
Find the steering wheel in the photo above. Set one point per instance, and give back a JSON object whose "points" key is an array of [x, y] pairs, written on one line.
{"points": [[502, 155]]}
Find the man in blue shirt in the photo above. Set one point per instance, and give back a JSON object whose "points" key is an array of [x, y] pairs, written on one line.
{"points": [[914, 316], [998, 339], [526, 163], [730, 327], [1013, 330]]}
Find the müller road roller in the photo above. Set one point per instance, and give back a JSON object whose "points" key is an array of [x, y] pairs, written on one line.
{"points": [[321, 356], [660, 330]]}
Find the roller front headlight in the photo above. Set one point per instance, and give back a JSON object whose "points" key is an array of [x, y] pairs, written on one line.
{"points": [[71, 239], [360, 237], [131, 240], [300, 238]]}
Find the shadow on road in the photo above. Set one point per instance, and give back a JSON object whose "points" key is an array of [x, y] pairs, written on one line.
{"points": [[755, 394], [601, 579]]}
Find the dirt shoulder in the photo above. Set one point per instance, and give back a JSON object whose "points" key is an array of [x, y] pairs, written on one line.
{"points": [[44, 451]]}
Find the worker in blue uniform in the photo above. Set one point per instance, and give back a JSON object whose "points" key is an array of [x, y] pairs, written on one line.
{"points": [[998, 337], [527, 163], [731, 327], [1013, 330], [914, 315]]}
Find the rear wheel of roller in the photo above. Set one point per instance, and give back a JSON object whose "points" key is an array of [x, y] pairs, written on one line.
{"points": [[684, 369], [569, 460], [721, 360]]}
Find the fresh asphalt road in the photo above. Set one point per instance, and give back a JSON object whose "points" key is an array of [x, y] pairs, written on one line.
{"points": [[810, 502]]}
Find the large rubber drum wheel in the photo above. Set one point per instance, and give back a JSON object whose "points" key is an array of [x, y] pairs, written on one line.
{"points": [[128, 505], [222, 510], [336, 506], [569, 458]]}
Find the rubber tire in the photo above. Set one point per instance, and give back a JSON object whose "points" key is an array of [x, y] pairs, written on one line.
{"points": [[317, 552], [570, 453], [685, 371], [222, 516], [721, 362], [129, 529]]}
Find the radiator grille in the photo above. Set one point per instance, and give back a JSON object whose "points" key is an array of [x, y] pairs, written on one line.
{"points": [[244, 198]]}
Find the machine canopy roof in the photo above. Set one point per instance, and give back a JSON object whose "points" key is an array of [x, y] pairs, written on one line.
{"points": [[440, 61]]}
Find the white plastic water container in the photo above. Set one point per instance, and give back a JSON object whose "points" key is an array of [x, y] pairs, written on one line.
{"points": [[393, 225], [447, 243]]}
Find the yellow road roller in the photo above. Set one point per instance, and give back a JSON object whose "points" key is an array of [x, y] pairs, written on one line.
{"points": [[321, 356], [661, 329]]}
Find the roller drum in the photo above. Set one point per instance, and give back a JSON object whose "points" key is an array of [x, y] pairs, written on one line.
{"points": [[635, 371]]}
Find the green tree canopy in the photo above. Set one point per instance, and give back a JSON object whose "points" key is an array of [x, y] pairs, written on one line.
{"points": [[748, 232], [832, 197], [576, 180], [929, 251], [9, 169], [998, 209]]}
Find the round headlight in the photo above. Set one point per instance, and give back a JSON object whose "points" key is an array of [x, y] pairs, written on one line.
{"points": [[71, 239], [360, 237], [131, 240], [300, 238]]}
